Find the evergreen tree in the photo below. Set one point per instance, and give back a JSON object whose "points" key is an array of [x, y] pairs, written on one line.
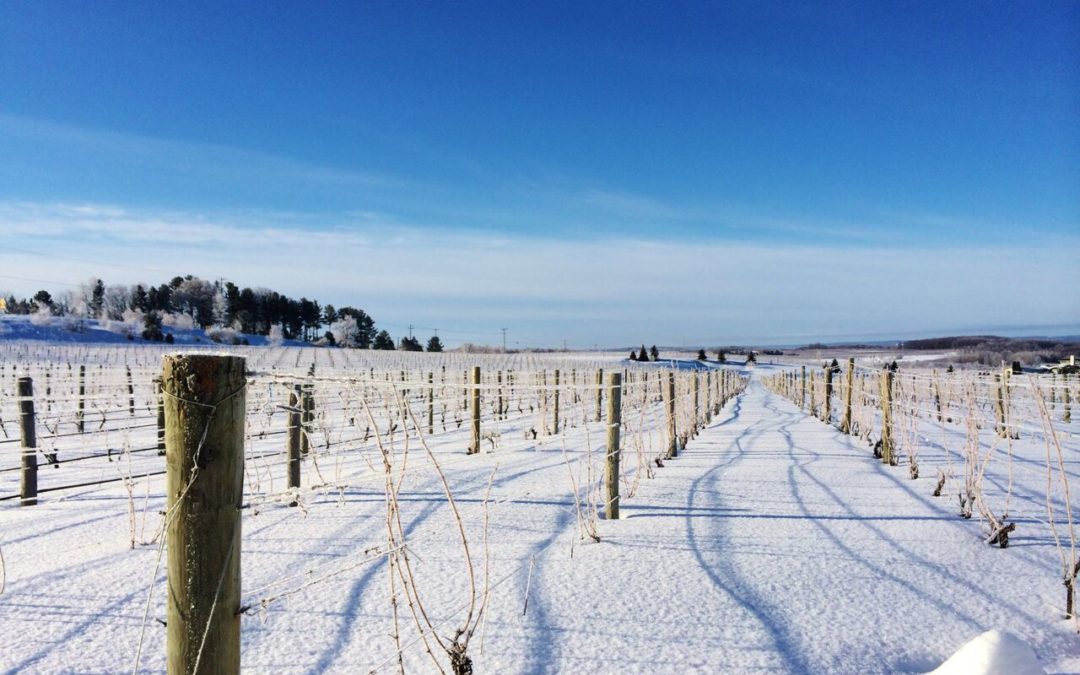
{"points": [[152, 327], [751, 358], [434, 344], [654, 352], [410, 344], [633, 355], [97, 299], [43, 299], [721, 357], [383, 341], [642, 355], [701, 355]]}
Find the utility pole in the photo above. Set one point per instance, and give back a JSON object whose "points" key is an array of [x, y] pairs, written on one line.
{"points": [[410, 331], [504, 339]]}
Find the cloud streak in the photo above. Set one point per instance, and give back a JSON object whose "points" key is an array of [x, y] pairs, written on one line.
{"points": [[600, 291]]}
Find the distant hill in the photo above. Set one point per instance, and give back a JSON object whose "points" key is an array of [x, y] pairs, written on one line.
{"points": [[989, 343], [66, 329]]}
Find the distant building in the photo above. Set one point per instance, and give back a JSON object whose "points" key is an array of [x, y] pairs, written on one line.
{"points": [[1066, 365]]}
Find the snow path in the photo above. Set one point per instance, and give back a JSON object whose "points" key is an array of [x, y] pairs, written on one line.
{"points": [[773, 543]]}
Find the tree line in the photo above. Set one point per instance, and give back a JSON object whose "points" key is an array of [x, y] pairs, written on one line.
{"points": [[190, 302]]}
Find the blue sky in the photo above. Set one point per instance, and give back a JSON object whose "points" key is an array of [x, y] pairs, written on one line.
{"points": [[603, 173]]}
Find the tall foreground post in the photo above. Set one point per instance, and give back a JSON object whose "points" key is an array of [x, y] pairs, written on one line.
{"points": [[204, 450], [28, 480], [474, 444], [611, 473]]}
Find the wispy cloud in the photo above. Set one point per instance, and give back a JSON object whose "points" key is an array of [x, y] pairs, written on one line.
{"points": [[605, 289], [191, 157]]}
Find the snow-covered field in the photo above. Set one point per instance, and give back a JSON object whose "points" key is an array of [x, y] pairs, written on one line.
{"points": [[771, 543]]}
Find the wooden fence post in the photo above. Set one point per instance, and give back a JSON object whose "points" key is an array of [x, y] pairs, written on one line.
{"points": [[431, 404], [204, 439], [293, 452], [28, 482], [614, 419], [80, 423], [131, 393], [826, 414], [556, 431], [845, 425], [474, 444], [599, 394], [160, 398], [696, 423], [888, 451], [499, 407], [708, 396], [1000, 406], [1066, 399], [307, 416], [673, 443], [802, 396]]}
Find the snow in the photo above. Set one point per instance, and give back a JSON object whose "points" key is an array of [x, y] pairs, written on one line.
{"points": [[993, 653], [773, 543]]}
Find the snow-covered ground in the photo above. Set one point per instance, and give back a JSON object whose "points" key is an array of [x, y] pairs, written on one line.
{"points": [[772, 543]]}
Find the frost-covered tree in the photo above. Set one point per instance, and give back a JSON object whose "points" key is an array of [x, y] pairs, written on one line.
{"points": [[345, 331], [276, 335], [117, 298]]}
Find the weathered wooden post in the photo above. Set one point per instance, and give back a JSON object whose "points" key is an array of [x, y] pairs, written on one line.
{"points": [[845, 424], [802, 395], [556, 415], [611, 473], [204, 439], [708, 396], [673, 444], [474, 444], [1000, 405], [697, 402], [599, 394], [826, 413], [1066, 400], [28, 482], [79, 416], [888, 454], [499, 406], [293, 451], [160, 398], [307, 417], [813, 403]]}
